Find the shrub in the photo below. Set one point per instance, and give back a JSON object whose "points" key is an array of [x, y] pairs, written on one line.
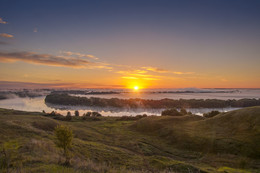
{"points": [[171, 112], [63, 140], [68, 117], [76, 113], [96, 114], [88, 114], [211, 114], [9, 156], [183, 111]]}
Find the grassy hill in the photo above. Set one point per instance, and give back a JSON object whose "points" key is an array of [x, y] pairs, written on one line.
{"points": [[236, 132], [228, 142]]}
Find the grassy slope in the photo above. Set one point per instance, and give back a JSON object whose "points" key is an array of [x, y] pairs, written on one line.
{"points": [[236, 132], [180, 144]]}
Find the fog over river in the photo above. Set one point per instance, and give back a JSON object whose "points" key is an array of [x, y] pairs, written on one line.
{"points": [[38, 103]]}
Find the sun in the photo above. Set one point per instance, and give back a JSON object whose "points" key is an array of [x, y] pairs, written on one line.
{"points": [[136, 88]]}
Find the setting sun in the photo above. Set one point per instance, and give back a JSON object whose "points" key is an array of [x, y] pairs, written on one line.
{"points": [[136, 88]]}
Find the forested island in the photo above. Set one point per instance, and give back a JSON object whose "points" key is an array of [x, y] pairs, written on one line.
{"points": [[66, 99]]}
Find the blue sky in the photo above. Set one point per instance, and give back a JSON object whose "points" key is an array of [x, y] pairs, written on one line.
{"points": [[217, 39]]}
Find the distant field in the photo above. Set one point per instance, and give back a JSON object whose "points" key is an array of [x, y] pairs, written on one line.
{"points": [[228, 142]]}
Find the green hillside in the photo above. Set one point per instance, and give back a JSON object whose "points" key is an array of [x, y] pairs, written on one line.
{"points": [[227, 142], [236, 132]]}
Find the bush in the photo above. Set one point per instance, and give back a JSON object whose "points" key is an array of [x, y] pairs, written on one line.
{"points": [[76, 113], [183, 111], [63, 140], [171, 112], [211, 114], [9, 156], [96, 114], [88, 114], [131, 118], [68, 117]]}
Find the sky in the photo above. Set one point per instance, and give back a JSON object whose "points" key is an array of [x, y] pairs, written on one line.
{"points": [[127, 43]]}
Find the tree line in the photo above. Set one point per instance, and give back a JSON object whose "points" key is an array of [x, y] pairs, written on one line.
{"points": [[65, 99]]}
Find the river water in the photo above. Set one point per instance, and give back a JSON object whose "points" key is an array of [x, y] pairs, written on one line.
{"points": [[38, 103]]}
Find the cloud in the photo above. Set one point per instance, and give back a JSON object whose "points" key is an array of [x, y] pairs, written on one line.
{"points": [[45, 59], [155, 69], [160, 70], [142, 76], [181, 73], [79, 55], [2, 21], [6, 35], [131, 71], [18, 85], [149, 78], [129, 77]]}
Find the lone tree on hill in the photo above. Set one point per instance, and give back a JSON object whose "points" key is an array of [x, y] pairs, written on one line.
{"points": [[68, 117], [64, 138], [76, 113]]}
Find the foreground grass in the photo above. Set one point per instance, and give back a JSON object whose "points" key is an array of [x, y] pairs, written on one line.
{"points": [[228, 142]]}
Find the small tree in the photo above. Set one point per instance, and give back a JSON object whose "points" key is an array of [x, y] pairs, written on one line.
{"points": [[64, 137], [76, 113], [88, 114], [183, 111], [96, 114], [9, 155], [68, 117], [211, 114]]}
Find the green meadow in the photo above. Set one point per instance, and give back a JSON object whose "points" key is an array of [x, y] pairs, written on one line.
{"points": [[228, 142]]}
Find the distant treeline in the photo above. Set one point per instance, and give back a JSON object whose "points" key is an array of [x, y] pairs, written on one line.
{"points": [[65, 99], [84, 92], [22, 94]]}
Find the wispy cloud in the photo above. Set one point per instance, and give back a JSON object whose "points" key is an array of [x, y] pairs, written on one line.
{"points": [[45, 59], [6, 35], [129, 77], [181, 73], [2, 21], [160, 70], [150, 73], [131, 71], [78, 60], [155, 69], [54, 84], [79, 55], [138, 74], [52, 60]]}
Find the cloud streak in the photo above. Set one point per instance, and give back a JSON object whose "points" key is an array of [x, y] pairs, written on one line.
{"points": [[6, 35], [2, 21], [45, 59], [78, 55], [18, 84], [160, 70], [155, 69], [78, 60]]}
